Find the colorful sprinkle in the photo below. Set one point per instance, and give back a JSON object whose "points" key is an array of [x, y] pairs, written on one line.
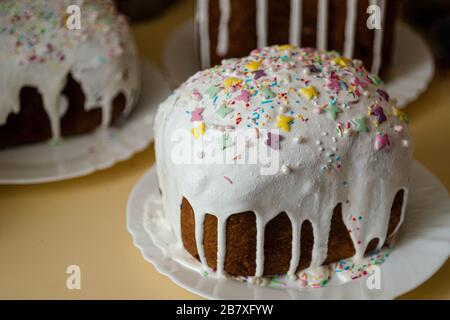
{"points": [[228, 179], [381, 141], [223, 111], [199, 131], [229, 82], [253, 66], [284, 122], [197, 114], [309, 92]]}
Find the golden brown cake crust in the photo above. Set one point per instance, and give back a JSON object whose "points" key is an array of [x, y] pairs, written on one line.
{"points": [[240, 258]]}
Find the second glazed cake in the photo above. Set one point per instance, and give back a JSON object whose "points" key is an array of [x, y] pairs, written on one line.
{"points": [[56, 80]]}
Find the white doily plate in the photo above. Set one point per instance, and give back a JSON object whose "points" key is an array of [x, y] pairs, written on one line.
{"points": [[422, 247], [81, 155], [409, 75]]}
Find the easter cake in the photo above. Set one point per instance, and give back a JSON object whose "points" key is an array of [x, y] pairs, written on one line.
{"points": [[336, 185], [60, 77]]}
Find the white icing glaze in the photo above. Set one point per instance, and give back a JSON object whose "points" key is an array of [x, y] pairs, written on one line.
{"points": [[365, 178], [223, 36], [199, 220], [322, 24], [335, 273], [39, 51], [261, 23], [295, 258], [202, 17], [350, 27], [295, 22], [221, 244], [378, 38]]}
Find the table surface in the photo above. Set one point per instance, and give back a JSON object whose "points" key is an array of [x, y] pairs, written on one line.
{"points": [[45, 228]]}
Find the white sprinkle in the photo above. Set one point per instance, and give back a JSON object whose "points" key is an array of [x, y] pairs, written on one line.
{"points": [[324, 133], [366, 93], [283, 109], [334, 139], [318, 110], [285, 169], [357, 62], [398, 128], [318, 142], [306, 72], [292, 276], [405, 143], [298, 139], [321, 149]]}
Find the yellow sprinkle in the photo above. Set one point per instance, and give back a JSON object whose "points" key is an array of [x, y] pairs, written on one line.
{"points": [[283, 122], [199, 131], [231, 82], [309, 92], [400, 115], [343, 62], [285, 47], [253, 66]]}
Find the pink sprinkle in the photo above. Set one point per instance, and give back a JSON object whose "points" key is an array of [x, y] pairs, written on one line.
{"points": [[381, 141], [244, 96], [318, 110], [228, 179], [197, 114], [197, 96]]}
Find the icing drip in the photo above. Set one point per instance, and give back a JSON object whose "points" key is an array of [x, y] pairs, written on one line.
{"points": [[336, 106], [203, 23], [39, 51], [378, 39], [335, 273], [260, 231], [295, 22], [221, 244], [261, 23], [295, 258], [199, 221], [223, 36], [322, 25], [350, 28]]}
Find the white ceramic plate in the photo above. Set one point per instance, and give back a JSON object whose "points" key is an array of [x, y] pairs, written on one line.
{"points": [[421, 249], [411, 71], [81, 155]]}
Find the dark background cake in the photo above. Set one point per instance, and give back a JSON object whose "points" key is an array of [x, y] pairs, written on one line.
{"points": [[243, 33], [142, 9]]}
